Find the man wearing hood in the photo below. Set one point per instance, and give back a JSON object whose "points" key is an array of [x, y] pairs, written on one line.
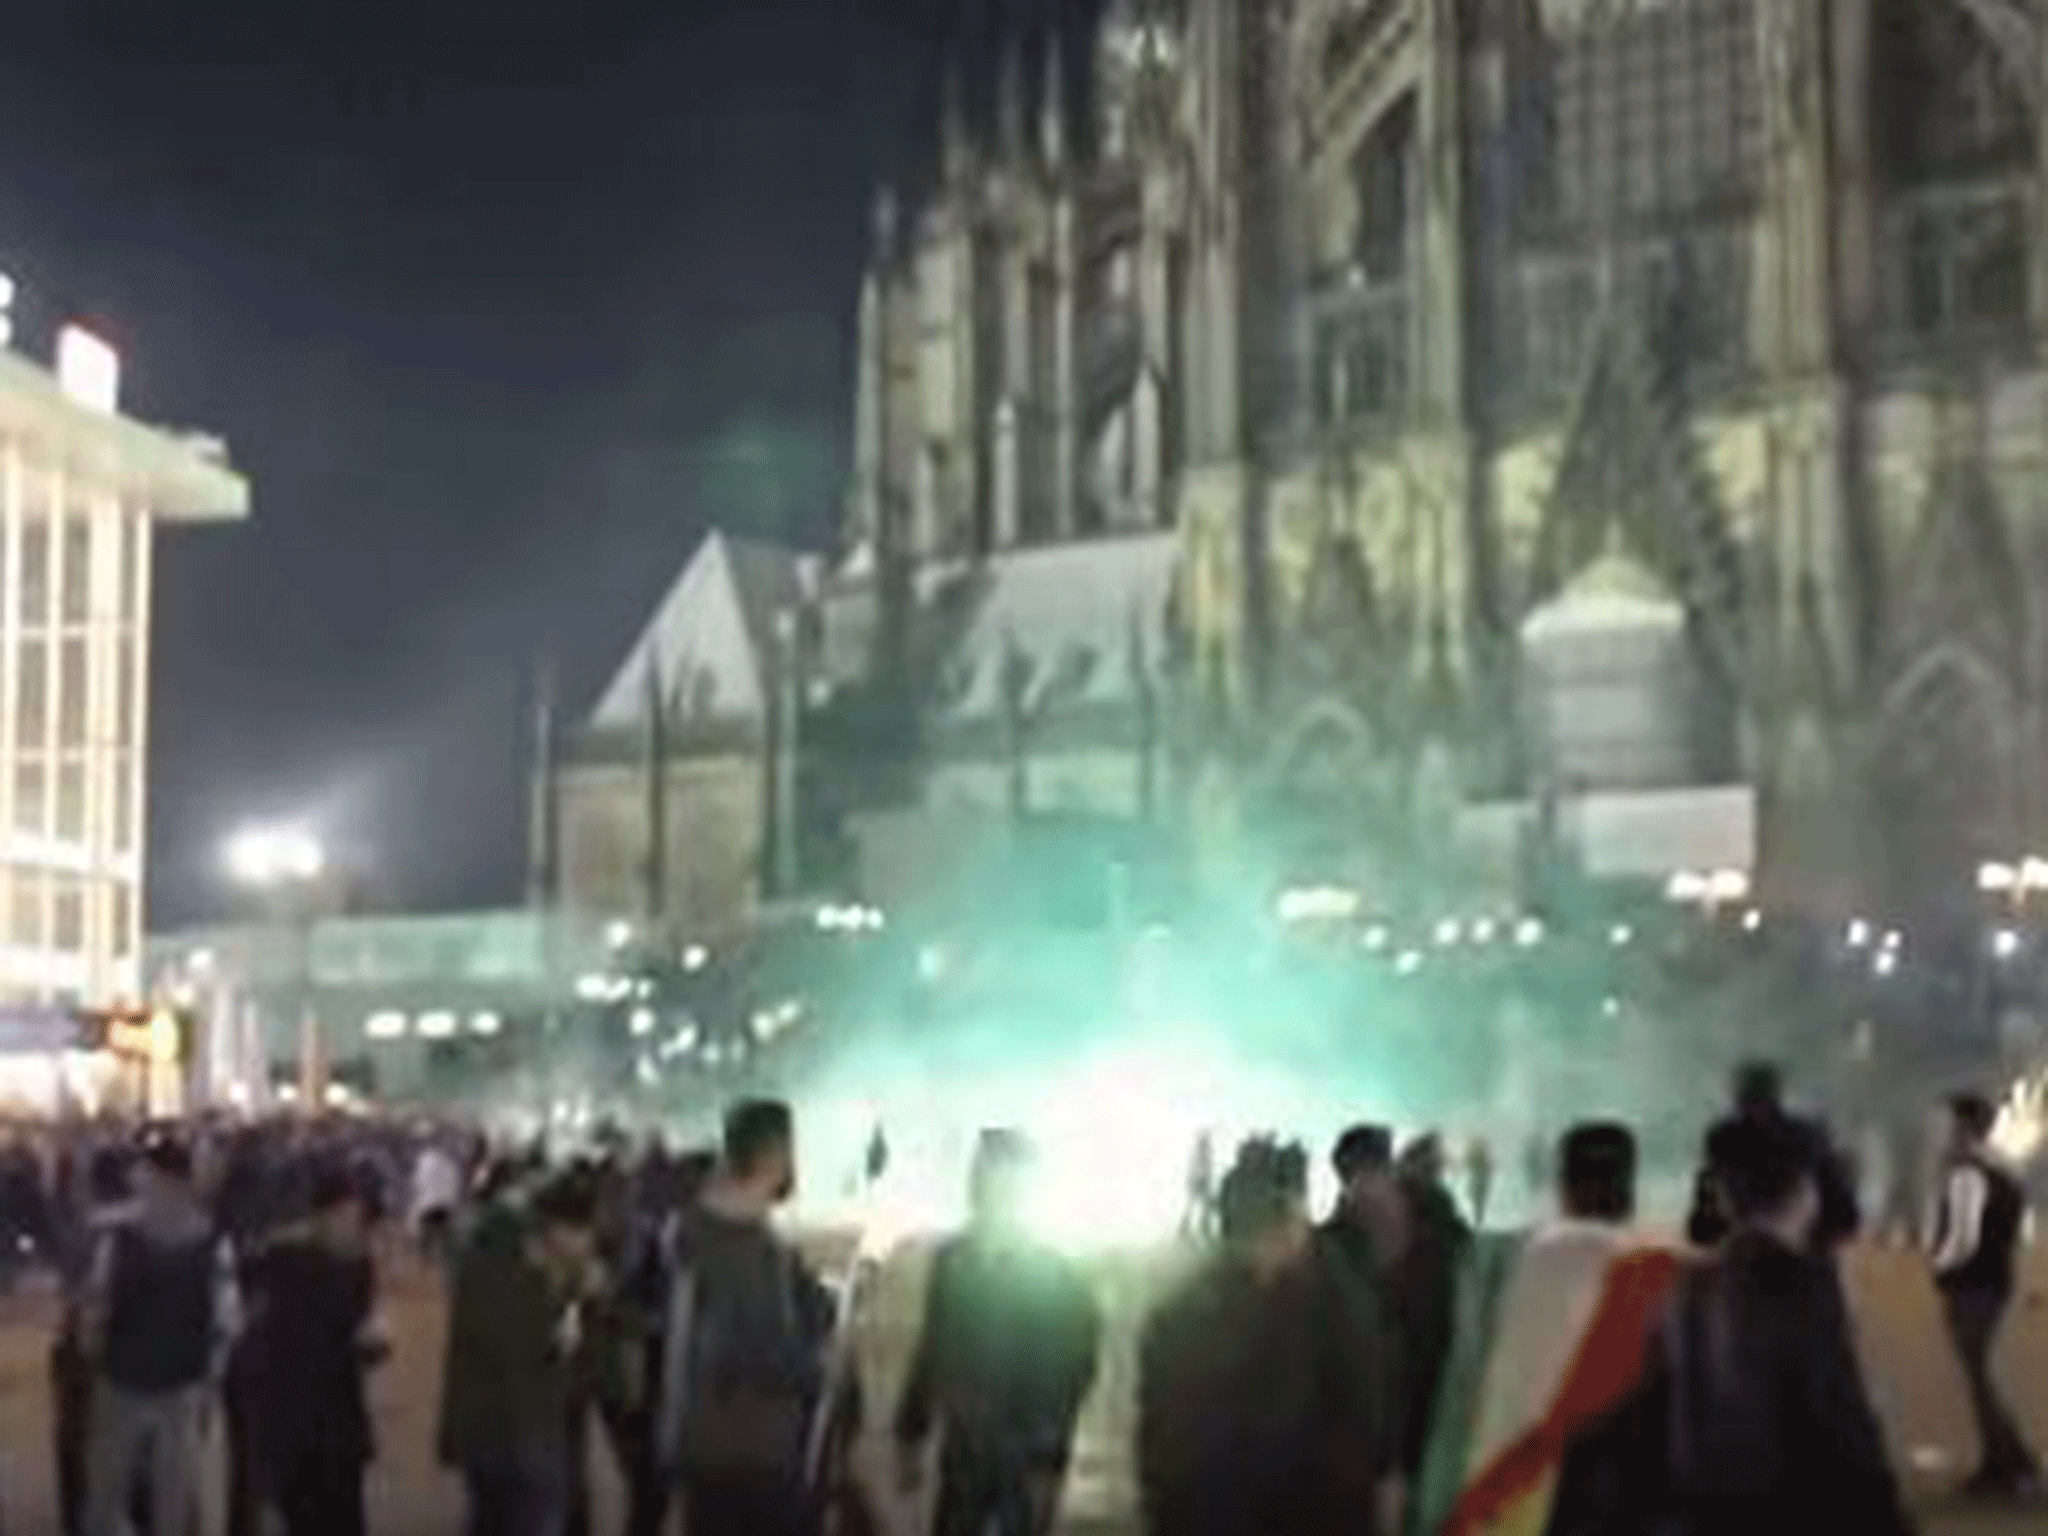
{"points": [[744, 1347], [159, 1309]]}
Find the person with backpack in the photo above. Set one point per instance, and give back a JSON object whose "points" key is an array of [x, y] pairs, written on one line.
{"points": [[1976, 1242], [744, 1347], [160, 1308]]}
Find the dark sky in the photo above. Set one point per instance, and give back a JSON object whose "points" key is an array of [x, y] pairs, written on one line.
{"points": [[498, 302]]}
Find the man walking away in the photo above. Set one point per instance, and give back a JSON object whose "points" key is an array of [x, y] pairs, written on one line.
{"points": [[1006, 1354], [1771, 1432], [1760, 1098], [1541, 1415], [159, 1310], [1425, 1293], [744, 1346], [1361, 1248], [311, 1298], [1253, 1417], [515, 1338], [1976, 1234]]}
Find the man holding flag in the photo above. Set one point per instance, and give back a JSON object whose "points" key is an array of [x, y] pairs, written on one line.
{"points": [[1533, 1435]]}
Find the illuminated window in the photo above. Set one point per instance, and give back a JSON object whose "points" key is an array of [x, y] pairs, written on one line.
{"points": [[125, 840], [31, 795], [67, 915], [123, 919], [32, 700], [134, 561], [77, 570], [25, 920], [127, 690], [35, 572], [71, 799], [71, 692]]}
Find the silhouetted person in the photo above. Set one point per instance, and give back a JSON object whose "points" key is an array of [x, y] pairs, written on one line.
{"points": [[515, 1342], [1257, 1412], [1976, 1237], [1425, 1293], [1770, 1430], [1004, 1358], [312, 1293], [1760, 1098], [160, 1306], [747, 1325]]}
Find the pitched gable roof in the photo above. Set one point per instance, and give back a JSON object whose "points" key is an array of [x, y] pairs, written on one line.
{"points": [[1068, 616], [710, 642]]}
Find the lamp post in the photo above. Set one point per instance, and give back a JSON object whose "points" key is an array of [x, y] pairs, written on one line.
{"points": [[287, 868]]}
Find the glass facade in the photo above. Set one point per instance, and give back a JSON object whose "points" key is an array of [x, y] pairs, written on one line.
{"points": [[74, 614]]}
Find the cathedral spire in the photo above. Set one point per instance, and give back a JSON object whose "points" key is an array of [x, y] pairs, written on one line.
{"points": [[885, 223], [544, 837], [1010, 95], [1052, 106], [956, 152]]}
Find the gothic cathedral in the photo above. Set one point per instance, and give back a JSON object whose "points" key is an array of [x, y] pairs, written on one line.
{"points": [[1380, 432]]}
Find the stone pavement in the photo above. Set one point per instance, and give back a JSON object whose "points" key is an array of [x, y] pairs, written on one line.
{"points": [[1919, 1397]]}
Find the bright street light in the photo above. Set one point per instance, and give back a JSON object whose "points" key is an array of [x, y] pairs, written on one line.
{"points": [[274, 856]]}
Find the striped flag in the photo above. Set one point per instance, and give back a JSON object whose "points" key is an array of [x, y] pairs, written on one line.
{"points": [[1551, 1334]]}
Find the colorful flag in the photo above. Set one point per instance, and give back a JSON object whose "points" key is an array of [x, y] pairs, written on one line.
{"points": [[1553, 1327]]}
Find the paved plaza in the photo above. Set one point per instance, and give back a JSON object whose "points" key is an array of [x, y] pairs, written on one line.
{"points": [[1919, 1395]]}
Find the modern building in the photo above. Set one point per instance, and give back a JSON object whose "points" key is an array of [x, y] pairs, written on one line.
{"points": [[1368, 439], [407, 1008], [83, 489]]}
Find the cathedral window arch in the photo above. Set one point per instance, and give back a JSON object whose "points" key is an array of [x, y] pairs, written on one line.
{"points": [[1944, 760], [1956, 147], [1359, 316], [1627, 166]]}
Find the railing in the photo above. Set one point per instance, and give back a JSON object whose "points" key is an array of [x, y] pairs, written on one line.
{"points": [[1688, 291], [1359, 352]]}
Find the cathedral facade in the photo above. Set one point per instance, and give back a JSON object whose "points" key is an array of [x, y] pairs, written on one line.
{"points": [[1382, 435]]}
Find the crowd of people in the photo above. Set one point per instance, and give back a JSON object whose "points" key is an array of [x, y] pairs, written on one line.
{"points": [[1393, 1369]]}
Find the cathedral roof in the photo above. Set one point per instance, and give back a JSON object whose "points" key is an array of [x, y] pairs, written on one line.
{"points": [[1069, 613], [711, 638]]}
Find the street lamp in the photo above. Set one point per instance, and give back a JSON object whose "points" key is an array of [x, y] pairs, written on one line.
{"points": [[287, 867], [271, 857]]}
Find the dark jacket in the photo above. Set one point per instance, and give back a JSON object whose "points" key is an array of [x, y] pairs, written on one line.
{"points": [[1988, 1262], [305, 1357], [1841, 1214], [1006, 1354], [1364, 1291], [163, 1287], [1256, 1411], [1768, 1420], [757, 1326], [509, 1380], [1425, 1307]]}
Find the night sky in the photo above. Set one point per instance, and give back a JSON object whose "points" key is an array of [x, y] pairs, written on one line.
{"points": [[499, 303]]}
